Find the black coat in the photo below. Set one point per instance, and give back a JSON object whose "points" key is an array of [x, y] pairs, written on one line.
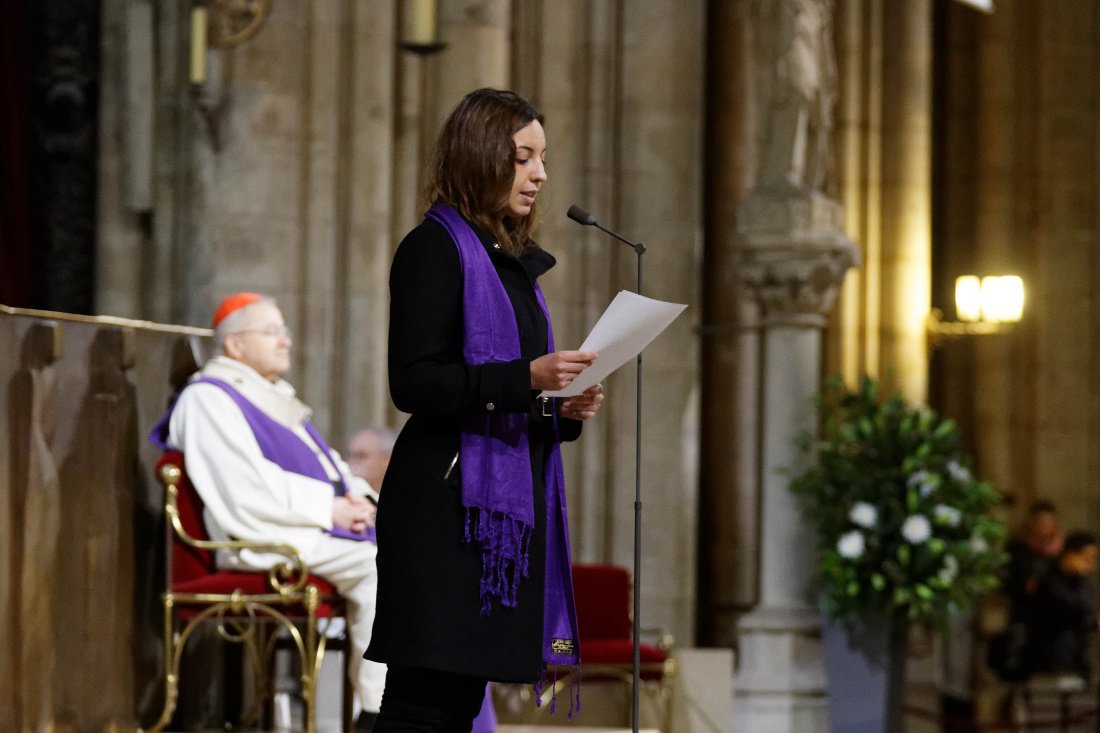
{"points": [[1059, 617], [429, 611]]}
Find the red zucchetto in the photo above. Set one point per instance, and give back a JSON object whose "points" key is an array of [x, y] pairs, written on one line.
{"points": [[235, 302]]}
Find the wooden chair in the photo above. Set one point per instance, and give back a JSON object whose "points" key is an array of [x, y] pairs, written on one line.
{"points": [[286, 597]]}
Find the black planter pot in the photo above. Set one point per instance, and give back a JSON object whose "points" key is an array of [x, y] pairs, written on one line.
{"points": [[865, 671]]}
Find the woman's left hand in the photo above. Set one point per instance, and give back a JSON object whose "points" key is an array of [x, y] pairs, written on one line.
{"points": [[584, 405]]}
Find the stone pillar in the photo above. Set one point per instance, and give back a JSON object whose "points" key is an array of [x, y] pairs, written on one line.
{"points": [[728, 531], [882, 175], [479, 33], [906, 195], [794, 256]]}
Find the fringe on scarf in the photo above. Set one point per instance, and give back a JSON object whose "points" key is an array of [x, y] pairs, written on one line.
{"points": [[504, 543], [574, 689]]}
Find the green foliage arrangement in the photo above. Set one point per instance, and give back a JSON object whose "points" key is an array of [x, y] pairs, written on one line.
{"points": [[903, 528]]}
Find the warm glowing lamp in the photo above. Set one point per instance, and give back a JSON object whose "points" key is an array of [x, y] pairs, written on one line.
{"points": [[1002, 299], [968, 298], [983, 305]]}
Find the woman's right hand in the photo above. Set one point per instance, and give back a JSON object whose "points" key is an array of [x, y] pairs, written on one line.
{"points": [[557, 369]]}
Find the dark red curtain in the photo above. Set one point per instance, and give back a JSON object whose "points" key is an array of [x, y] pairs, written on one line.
{"points": [[15, 220]]}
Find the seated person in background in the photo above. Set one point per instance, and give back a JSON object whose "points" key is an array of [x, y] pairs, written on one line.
{"points": [[1032, 553], [1061, 613], [369, 453], [266, 474]]}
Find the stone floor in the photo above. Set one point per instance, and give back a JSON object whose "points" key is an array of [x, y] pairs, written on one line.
{"points": [[567, 729], [511, 729], [703, 694]]}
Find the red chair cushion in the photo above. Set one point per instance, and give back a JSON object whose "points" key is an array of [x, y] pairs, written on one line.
{"points": [[247, 583], [603, 613], [226, 583], [602, 593]]}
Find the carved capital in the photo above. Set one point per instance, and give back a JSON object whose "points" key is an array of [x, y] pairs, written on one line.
{"points": [[793, 256], [779, 211]]}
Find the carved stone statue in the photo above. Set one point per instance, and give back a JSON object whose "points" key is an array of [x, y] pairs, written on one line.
{"points": [[799, 83]]}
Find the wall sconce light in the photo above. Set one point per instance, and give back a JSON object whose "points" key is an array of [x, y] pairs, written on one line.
{"points": [[222, 23], [986, 305], [420, 26], [199, 25]]}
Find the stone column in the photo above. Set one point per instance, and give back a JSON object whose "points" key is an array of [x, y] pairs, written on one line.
{"points": [[793, 254], [906, 195], [728, 531], [793, 259], [479, 48], [882, 171]]}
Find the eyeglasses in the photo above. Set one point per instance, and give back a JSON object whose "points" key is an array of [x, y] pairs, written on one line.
{"points": [[270, 331]]}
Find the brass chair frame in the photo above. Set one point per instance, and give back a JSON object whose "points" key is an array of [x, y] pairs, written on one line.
{"points": [[239, 614]]}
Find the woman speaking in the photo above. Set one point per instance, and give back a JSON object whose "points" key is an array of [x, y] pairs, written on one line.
{"points": [[473, 546]]}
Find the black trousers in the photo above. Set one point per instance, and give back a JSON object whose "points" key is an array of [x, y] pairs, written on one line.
{"points": [[429, 701]]}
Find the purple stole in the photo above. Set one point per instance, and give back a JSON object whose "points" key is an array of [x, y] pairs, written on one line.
{"points": [[495, 459], [486, 720], [278, 444]]}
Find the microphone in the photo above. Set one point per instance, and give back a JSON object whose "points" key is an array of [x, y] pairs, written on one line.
{"points": [[583, 218]]}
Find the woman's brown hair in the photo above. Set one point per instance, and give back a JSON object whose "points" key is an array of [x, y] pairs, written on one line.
{"points": [[474, 164]]}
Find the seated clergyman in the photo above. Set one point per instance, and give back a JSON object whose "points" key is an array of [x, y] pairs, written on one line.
{"points": [[266, 474]]}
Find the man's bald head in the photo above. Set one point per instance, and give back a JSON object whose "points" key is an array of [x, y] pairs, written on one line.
{"points": [[369, 453]]}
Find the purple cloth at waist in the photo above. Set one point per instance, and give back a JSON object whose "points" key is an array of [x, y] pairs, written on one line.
{"points": [[486, 720], [279, 444]]}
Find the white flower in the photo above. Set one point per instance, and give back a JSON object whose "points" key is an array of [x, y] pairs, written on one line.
{"points": [[978, 544], [863, 514], [948, 515], [959, 472], [916, 529], [850, 544], [926, 481], [949, 570], [918, 477]]}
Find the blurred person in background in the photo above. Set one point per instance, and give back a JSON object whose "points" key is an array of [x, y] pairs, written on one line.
{"points": [[369, 453]]}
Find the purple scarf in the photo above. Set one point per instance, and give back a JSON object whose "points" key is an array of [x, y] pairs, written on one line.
{"points": [[495, 459]]}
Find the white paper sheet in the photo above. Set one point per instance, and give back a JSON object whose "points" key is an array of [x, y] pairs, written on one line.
{"points": [[630, 322]]}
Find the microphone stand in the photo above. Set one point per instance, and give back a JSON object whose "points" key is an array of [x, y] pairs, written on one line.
{"points": [[584, 218]]}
